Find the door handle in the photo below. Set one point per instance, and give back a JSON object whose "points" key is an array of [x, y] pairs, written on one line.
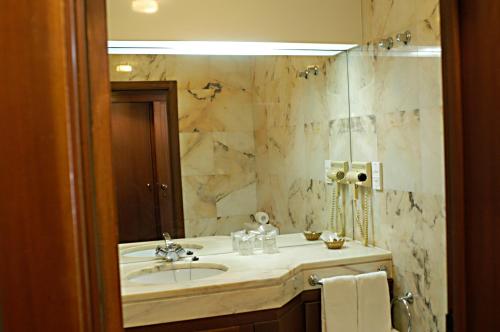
{"points": [[164, 187]]}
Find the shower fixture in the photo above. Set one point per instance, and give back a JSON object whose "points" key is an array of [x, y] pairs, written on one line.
{"points": [[386, 43], [314, 69], [404, 37]]}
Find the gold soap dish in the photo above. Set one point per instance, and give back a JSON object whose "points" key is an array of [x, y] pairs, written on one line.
{"points": [[335, 244], [311, 235]]}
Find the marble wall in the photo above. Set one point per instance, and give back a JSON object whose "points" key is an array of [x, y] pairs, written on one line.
{"points": [[299, 123], [253, 135], [218, 163], [396, 109]]}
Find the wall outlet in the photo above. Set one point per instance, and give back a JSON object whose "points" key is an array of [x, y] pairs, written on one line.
{"points": [[377, 176]]}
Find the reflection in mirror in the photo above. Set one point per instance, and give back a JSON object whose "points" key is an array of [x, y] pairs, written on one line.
{"points": [[253, 131]]}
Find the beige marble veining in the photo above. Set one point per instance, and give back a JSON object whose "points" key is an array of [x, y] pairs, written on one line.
{"points": [[215, 102], [370, 104], [301, 123], [396, 109], [383, 18], [253, 135], [256, 282]]}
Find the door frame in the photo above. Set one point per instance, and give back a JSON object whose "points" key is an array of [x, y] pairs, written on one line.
{"points": [[167, 90], [471, 81], [58, 224]]}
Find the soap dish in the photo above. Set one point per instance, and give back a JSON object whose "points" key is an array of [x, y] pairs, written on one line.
{"points": [[311, 235], [335, 244]]}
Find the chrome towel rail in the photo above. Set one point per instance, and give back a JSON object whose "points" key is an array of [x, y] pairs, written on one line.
{"points": [[314, 280]]}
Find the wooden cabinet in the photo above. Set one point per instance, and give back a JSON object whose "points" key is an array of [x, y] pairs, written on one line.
{"points": [[146, 160]]}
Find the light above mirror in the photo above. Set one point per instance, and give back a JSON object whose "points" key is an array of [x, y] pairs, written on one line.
{"points": [[225, 48], [123, 68], [145, 6]]}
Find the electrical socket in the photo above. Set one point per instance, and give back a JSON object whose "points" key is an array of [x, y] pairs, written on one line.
{"points": [[377, 176]]}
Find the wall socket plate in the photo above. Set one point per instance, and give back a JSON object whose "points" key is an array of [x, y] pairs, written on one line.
{"points": [[332, 166], [365, 167], [377, 176]]}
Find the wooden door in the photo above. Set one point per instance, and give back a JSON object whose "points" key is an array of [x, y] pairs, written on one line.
{"points": [[146, 162], [471, 86], [57, 217], [134, 173]]}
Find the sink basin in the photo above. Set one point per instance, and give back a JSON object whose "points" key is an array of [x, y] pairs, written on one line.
{"points": [[148, 251], [175, 273]]}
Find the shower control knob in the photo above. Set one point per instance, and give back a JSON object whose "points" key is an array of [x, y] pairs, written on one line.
{"points": [[404, 37]]}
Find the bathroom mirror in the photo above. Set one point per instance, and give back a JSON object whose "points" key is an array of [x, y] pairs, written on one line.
{"points": [[254, 133]]}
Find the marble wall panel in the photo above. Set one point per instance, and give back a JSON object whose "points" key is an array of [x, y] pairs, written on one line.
{"points": [[217, 144], [396, 108], [302, 123]]}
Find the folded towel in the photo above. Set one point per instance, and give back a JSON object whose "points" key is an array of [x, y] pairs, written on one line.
{"points": [[374, 309], [339, 304]]}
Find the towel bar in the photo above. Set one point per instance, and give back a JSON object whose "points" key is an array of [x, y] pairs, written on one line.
{"points": [[314, 280]]}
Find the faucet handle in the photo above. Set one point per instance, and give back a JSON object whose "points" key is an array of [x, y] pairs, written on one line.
{"points": [[167, 238]]}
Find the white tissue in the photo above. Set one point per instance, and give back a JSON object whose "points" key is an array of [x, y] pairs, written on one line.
{"points": [[262, 218]]}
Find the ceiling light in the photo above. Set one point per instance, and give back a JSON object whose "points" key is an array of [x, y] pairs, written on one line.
{"points": [[225, 48], [145, 6], [123, 68]]}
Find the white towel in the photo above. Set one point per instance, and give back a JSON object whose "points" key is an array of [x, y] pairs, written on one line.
{"points": [[339, 304], [374, 308]]}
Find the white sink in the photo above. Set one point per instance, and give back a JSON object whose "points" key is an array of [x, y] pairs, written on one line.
{"points": [[174, 273], [148, 251]]}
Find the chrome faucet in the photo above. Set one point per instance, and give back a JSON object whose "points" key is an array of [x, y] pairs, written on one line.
{"points": [[172, 252]]}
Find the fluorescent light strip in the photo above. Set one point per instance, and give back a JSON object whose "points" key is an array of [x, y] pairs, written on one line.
{"points": [[225, 48]]}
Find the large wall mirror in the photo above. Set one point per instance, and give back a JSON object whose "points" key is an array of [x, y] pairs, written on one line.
{"points": [[253, 135]]}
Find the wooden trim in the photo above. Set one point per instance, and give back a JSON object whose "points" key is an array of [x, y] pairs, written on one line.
{"points": [[454, 168], [165, 90], [471, 81], [102, 228], [58, 226]]}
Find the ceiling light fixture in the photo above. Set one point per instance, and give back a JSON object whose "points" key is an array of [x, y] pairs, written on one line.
{"points": [[225, 48], [124, 68], [145, 6]]}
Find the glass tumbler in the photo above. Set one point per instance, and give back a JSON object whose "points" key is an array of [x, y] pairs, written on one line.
{"points": [[235, 239], [246, 245], [269, 243]]}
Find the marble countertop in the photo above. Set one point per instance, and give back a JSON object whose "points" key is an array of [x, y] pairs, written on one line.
{"points": [[260, 281], [210, 245]]}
